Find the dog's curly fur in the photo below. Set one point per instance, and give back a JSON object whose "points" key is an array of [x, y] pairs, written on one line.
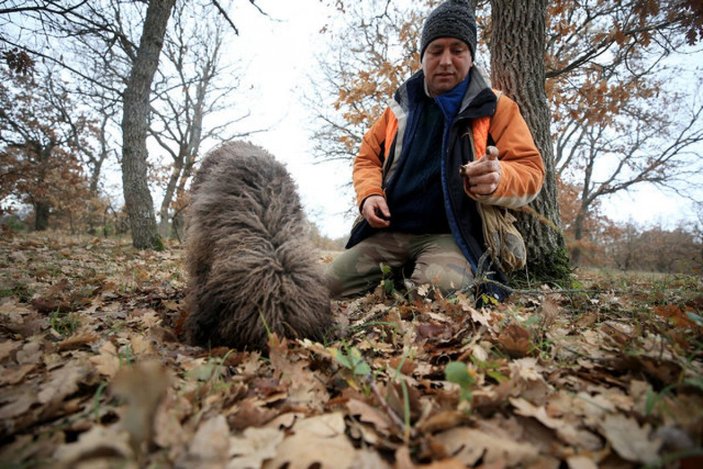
{"points": [[251, 265]]}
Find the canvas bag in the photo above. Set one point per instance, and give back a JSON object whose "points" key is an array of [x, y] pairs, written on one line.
{"points": [[503, 241]]}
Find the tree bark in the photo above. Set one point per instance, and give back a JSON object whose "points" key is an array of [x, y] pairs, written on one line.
{"points": [[517, 47], [41, 215], [578, 236], [176, 171], [138, 201], [96, 163]]}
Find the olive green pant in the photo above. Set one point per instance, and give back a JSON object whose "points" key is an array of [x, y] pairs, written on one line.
{"points": [[435, 259]]}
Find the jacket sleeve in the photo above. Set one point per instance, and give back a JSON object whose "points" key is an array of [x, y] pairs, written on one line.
{"points": [[521, 164], [368, 164]]}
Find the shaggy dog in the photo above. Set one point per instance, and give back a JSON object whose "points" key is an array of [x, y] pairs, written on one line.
{"points": [[252, 269]]}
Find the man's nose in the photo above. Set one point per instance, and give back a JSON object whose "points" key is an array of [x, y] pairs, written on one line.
{"points": [[446, 58]]}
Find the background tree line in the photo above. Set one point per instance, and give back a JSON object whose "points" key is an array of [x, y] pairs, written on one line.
{"points": [[87, 84]]}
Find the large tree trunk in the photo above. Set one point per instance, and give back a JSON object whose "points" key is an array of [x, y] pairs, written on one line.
{"points": [[41, 215], [517, 47], [140, 205]]}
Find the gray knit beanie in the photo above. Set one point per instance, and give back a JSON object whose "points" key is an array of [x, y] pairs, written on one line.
{"points": [[452, 18]]}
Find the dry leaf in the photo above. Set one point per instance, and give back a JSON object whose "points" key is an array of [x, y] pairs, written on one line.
{"points": [[304, 387], [629, 440], [253, 447], [367, 458], [527, 381], [368, 414], [108, 362], [581, 462], [14, 375], [470, 445], [168, 431], [7, 347], [442, 421], [550, 311], [63, 382], [515, 340], [403, 459], [318, 441], [210, 445], [98, 444], [251, 412], [18, 403], [143, 386], [567, 432], [285, 421], [78, 340], [30, 353], [140, 345]]}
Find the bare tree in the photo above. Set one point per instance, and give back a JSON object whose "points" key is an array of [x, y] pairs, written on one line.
{"points": [[657, 148], [116, 73], [135, 127], [194, 85], [612, 100], [381, 37]]}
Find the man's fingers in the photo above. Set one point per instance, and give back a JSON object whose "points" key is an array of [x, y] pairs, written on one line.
{"points": [[382, 209], [375, 211], [492, 153], [480, 167]]}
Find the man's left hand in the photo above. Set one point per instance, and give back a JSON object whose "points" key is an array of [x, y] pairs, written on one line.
{"points": [[481, 177]]}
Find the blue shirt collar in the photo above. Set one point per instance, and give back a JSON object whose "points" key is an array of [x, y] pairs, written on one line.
{"points": [[450, 102]]}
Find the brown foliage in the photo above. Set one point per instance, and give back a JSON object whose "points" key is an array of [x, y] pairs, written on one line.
{"points": [[543, 380], [657, 249], [41, 140], [603, 243]]}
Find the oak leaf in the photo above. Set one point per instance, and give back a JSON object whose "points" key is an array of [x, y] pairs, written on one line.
{"points": [[488, 447], [629, 440], [107, 362], [253, 447], [64, 382], [515, 340], [316, 441]]}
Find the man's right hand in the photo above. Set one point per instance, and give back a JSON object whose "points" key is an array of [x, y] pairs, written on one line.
{"points": [[375, 211]]}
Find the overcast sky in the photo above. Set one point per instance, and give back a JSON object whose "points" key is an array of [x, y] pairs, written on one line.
{"points": [[281, 61], [281, 56]]}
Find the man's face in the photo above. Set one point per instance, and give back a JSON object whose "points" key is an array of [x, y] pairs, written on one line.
{"points": [[446, 63]]}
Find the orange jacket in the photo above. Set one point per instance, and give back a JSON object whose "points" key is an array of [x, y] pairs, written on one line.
{"points": [[521, 164]]}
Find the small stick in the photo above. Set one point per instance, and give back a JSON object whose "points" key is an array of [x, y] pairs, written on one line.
{"points": [[389, 410]]}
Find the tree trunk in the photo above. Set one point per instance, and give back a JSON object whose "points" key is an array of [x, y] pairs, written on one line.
{"points": [[517, 47], [176, 171], [578, 236], [140, 205], [96, 169], [41, 216], [580, 221]]}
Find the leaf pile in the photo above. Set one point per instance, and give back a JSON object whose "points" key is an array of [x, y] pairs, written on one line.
{"points": [[93, 371]]}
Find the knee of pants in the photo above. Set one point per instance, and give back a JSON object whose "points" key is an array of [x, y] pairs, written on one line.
{"points": [[343, 282], [447, 278], [335, 285]]}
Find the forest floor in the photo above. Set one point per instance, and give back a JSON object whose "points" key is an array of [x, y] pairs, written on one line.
{"points": [[94, 373]]}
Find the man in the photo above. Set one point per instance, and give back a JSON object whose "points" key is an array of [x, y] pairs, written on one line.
{"points": [[418, 213]]}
